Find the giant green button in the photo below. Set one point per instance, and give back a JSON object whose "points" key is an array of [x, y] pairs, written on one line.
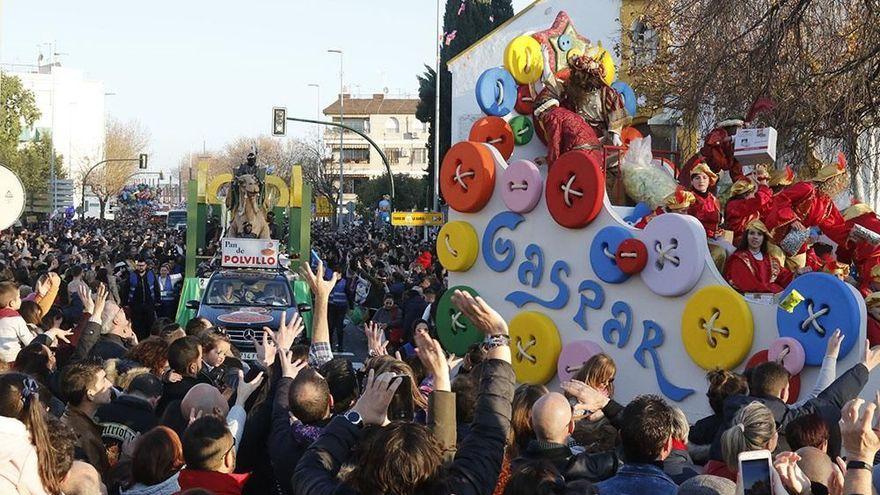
{"points": [[523, 130], [455, 330]]}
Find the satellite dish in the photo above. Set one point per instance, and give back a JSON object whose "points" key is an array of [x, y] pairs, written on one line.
{"points": [[12, 198]]}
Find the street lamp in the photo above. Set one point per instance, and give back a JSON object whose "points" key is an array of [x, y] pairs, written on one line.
{"points": [[140, 158], [341, 140], [318, 101]]}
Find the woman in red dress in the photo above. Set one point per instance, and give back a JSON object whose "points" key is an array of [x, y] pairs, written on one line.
{"points": [[752, 268], [706, 207], [746, 204]]}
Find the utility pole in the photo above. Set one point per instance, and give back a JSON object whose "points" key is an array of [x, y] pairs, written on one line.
{"points": [[52, 176], [341, 142], [436, 184]]}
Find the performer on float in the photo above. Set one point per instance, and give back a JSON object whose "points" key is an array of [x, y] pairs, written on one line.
{"points": [[752, 268], [860, 248], [707, 209], [872, 302], [718, 148], [746, 203], [677, 202], [580, 112], [781, 179]]}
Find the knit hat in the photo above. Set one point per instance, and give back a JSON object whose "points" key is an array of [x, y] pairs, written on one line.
{"points": [[706, 484]]}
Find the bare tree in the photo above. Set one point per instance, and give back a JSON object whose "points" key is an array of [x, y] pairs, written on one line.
{"points": [[122, 140], [818, 61]]}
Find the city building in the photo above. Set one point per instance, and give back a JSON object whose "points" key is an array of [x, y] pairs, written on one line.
{"points": [[390, 122]]}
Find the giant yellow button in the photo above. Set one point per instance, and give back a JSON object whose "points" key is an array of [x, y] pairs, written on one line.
{"points": [[535, 346], [523, 59], [457, 246], [717, 328]]}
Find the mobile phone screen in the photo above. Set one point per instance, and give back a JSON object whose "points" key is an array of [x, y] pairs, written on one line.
{"points": [[755, 474], [401, 407]]}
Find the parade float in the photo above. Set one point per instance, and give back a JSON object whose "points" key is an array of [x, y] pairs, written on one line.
{"points": [[240, 201], [566, 268]]}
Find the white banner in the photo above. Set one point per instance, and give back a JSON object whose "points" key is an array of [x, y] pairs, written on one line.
{"points": [[249, 253]]}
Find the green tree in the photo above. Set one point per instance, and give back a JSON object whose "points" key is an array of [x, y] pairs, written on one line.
{"points": [[409, 194], [18, 111], [464, 22], [31, 164]]}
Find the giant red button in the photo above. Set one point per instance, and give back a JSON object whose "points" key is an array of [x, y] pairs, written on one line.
{"points": [[467, 176], [575, 189], [631, 256], [525, 99], [495, 131], [794, 382]]}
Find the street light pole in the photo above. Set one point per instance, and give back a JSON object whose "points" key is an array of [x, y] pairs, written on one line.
{"points": [[436, 184], [341, 141], [318, 116]]}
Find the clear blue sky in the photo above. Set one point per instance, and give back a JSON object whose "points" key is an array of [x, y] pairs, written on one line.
{"points": [[199, 70]]}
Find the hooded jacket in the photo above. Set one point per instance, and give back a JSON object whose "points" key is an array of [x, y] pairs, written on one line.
{"points": [[19, 472]]}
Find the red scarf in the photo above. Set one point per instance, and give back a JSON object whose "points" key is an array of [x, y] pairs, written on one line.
{"points": [[8, 313], [679, 445]]}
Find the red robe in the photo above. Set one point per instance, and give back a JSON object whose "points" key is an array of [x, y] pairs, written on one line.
{"points": [[718, 150], [819, 210], [873, 331], [707, 210], [739, 212], [566, 131], [746, 274], [781, 210]]}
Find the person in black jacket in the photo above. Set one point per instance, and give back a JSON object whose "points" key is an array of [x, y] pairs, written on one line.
{"points": [[142, 295], [117, 336], [130, 414], [184, 358], [400, 447], [551, 419]]}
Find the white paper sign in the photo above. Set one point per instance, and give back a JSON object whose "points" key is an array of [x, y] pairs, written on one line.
{"points": [[249, 253]]}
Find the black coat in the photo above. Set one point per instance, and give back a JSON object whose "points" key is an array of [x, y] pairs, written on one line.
{"points": [[584, 466], [827, 405], [680, 467], [124, 419], [109, 346], [175, 392]]}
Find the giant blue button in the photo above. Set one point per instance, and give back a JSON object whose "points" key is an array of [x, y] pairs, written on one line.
{"points": [[496, 92], [828, 304], [602, 252]]}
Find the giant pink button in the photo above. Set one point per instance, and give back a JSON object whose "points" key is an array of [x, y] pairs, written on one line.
{"points": [[521, 186], [790, 351], [573, 356]]}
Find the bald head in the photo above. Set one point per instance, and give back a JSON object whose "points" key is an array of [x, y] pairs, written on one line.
{"points": [[551, 418], [204, 398], [815, 464]]}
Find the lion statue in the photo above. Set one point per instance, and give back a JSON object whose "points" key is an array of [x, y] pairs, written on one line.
{"points": [[247, 209]]}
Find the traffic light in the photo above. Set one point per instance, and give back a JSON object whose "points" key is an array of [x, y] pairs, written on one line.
{"points": [[142, 161], [279, 121]]}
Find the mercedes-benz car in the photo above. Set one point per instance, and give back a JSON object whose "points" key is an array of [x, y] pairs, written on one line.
{"points": [[241, 302]]}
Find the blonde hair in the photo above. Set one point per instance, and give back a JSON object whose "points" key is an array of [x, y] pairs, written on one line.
{"points": [[753, 428], [598, 372], [680, 427], [8, 293]]}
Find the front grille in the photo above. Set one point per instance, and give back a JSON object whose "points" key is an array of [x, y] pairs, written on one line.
{"points": [[241, 338]]}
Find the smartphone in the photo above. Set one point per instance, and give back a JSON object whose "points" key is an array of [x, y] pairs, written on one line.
{"points": [[754, 470], [401, 407], [314, 259]]}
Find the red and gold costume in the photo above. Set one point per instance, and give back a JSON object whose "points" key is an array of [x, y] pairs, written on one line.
{"points": [[872, 301], [863, 254], [718, 151], [749, 274], [744, 207], [706, 208]]}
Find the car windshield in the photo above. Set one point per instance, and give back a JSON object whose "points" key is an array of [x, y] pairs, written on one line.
{"points": [[250, 292], [175, 217]]}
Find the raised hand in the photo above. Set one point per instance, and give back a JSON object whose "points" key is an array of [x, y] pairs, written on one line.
{"points": [[486, 319], [85, 295], [289, 367], [871, 358], [859, 438], [376, 344], [57, 333], [320, 288], [287, 332], [833, 348], [266, 350], [372, 405], [792, 477], [100, 300], [433, 358], [589, 399], [245, 389]]}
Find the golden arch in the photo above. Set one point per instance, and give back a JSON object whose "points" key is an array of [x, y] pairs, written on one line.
{"points": [[211, 195]]}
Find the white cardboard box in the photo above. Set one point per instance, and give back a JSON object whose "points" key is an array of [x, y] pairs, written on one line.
{"points": [[753, 146]]}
